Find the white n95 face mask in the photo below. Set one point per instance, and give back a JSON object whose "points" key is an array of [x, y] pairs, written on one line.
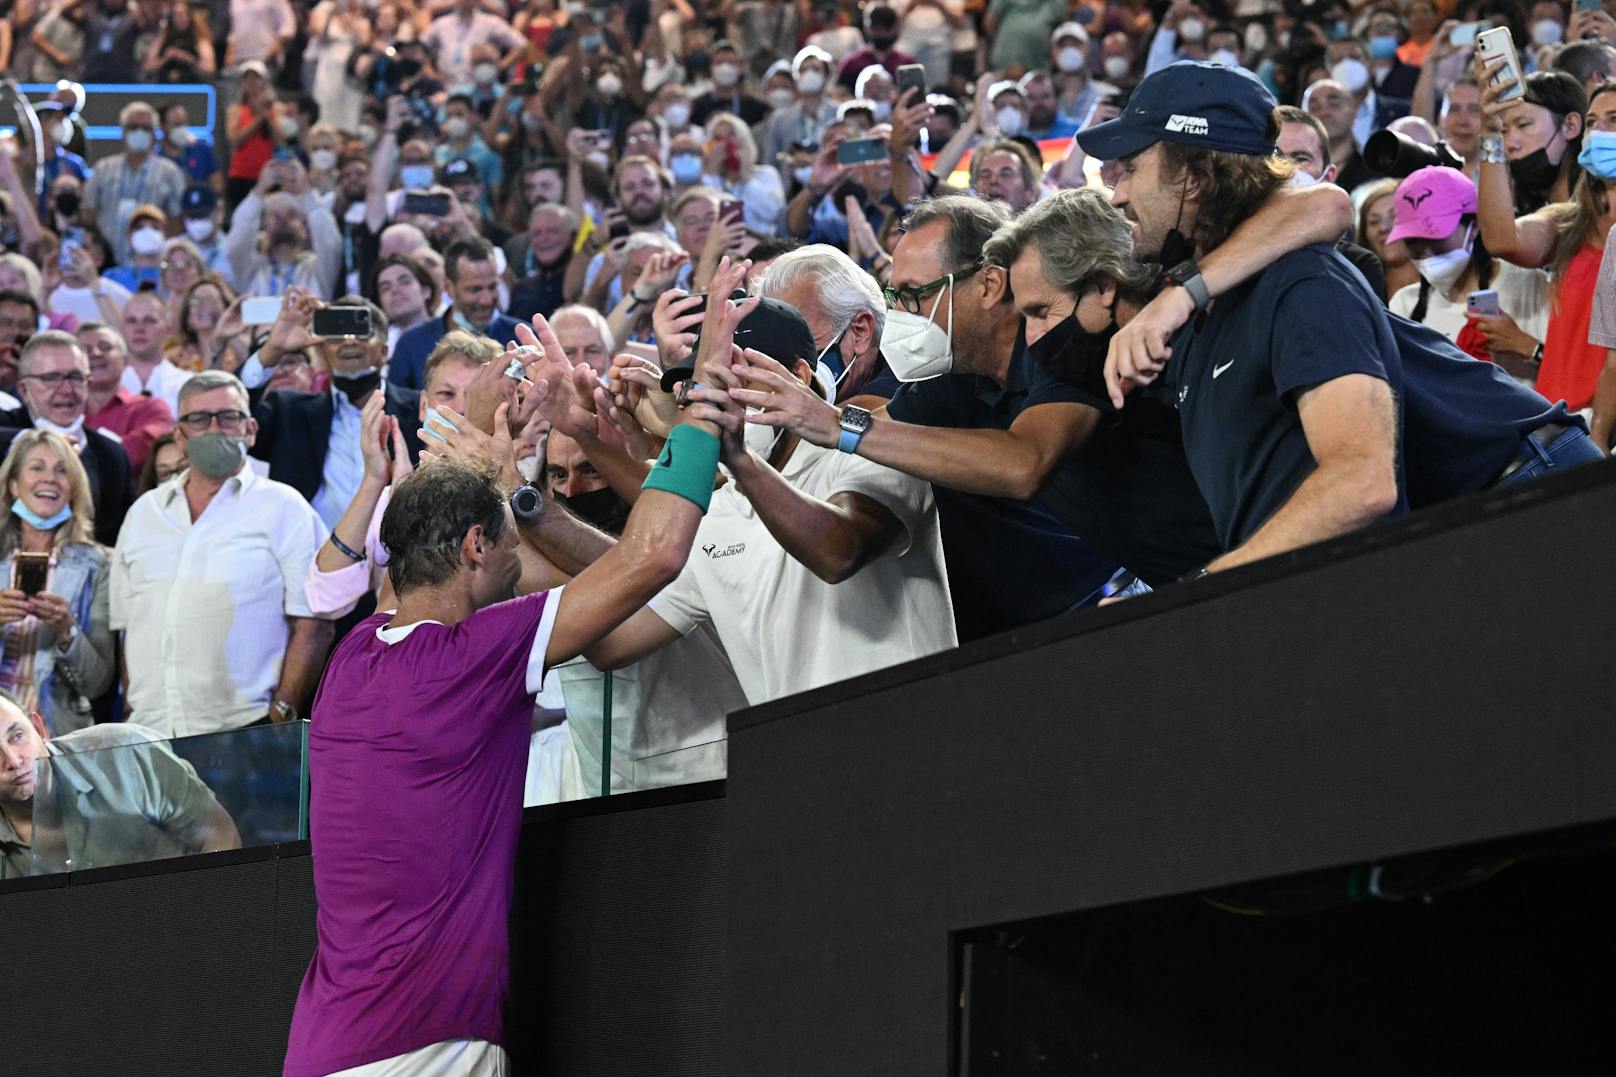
{"points": [[915, 347]]}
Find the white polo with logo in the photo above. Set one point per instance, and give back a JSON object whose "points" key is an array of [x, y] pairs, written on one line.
{"points": [[785, 629]]}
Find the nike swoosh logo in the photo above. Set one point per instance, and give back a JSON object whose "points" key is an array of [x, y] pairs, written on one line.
{"points": [[1220, 369]]}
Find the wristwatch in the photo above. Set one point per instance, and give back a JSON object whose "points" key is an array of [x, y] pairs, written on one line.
{"points": [[854, 421], [283, 711], [1492, 150], [1187, 275], [527, 503]]}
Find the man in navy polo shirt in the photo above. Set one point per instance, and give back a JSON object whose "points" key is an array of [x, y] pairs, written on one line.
{"points": [[1307, 409]]}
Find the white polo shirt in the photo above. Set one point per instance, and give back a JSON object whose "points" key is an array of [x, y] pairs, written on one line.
{"points": [[784, 628], [204, 605]]}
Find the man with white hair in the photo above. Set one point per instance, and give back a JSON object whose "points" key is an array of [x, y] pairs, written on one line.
{"points": [[584, 336], [845, 312]]}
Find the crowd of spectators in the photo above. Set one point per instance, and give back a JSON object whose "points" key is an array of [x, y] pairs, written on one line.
{"points": [[961, 266]]}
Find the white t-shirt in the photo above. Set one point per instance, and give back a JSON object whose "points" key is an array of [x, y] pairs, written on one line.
{"points": [[81, 303], [1522, 294], [784, 628]]}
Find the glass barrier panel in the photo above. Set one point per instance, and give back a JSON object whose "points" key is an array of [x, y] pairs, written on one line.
{"points": [[120, 794], [683, 766]]}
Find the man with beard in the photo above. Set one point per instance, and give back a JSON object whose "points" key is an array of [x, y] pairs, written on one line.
{"points": [[282, 236], [640, 187], [311, 441], [473, 284], [1307, 410]]}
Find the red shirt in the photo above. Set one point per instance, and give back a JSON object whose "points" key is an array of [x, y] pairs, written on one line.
{"points": [[1571, 365], [249, 158], [136, 420]]}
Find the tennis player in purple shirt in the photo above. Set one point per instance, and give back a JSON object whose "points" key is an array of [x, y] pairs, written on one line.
{"points": [[419, 743]]}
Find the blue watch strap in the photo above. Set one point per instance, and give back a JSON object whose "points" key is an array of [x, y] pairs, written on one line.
{"points": [[849, 441]]}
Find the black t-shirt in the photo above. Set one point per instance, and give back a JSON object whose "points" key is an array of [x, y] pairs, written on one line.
{"points": [[1010, 563], [1236, 373], [1129, 491]]}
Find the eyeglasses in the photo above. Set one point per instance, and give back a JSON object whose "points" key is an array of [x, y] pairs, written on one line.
{"points": [[909, 299], [55, 381], [199, 422]]}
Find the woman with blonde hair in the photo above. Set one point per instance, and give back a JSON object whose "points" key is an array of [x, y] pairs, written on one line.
{"points": [[182, 266], [732, 161], [1375, 206], [58, 651]]}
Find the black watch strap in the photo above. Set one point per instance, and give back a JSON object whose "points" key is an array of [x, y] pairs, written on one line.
{"points": [[1187, 275]]}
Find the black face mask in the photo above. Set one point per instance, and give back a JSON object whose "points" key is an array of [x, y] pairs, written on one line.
{"points": [[67, 203], [1073, 355], [883, 42], [356, 387], [1534, 173], [601, 509]]}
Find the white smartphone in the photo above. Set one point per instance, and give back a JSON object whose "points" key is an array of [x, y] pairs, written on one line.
{"points": [[1494, 44], [1483, 302], [261, 310]]}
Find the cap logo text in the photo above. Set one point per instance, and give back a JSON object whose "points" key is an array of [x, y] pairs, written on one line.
{"points": [[1187, 125]]}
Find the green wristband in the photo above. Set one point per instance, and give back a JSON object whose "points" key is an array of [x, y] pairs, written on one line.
{"points": [[687, 466]]}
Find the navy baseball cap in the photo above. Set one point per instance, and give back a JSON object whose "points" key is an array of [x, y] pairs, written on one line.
{"points": [[460, 170], [1193, 102], [198, 201], [776, 329]]}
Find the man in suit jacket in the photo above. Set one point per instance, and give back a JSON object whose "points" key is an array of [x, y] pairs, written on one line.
{"points": [[473, 284], [53, 382], [311, 441]]}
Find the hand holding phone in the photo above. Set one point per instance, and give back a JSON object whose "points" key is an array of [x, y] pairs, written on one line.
{"points": [[1496, 44], [261, 310], [861, 151]]}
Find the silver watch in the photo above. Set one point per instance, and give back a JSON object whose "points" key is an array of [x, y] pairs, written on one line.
{"points": [[1492, 150], [283, 711]]}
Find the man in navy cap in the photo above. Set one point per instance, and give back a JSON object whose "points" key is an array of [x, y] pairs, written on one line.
{"points": [[1307, 409]]}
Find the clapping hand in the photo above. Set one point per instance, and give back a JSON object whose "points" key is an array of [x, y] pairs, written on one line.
{"points": [[463, 443], [379, 432]]}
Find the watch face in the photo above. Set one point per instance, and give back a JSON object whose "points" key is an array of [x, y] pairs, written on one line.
{"points": [[856, 420]]}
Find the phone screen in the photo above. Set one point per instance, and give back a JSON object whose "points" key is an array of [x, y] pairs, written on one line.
{"points": [[859, 151], [427, 205], [261, 310], [31, 573]]}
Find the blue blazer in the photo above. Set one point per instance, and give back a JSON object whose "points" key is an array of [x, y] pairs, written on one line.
{"points": [[407, 365]]}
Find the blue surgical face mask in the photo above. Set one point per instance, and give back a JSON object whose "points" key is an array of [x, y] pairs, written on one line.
{"points": [[686, 167], [1383, 47], [1598, 156], [38, 522], [415, 177]]}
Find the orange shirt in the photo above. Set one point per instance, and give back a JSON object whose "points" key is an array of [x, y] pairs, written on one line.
{"points": [[1571, 365], [1413, 53]]}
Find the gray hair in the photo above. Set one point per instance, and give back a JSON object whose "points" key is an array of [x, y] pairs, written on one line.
{"points": [[971, 223], [641, 240], [594, 317], [104, 327], [50, 338], [30, 274], [1080, 238], [209, 380], [842, 288]]}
